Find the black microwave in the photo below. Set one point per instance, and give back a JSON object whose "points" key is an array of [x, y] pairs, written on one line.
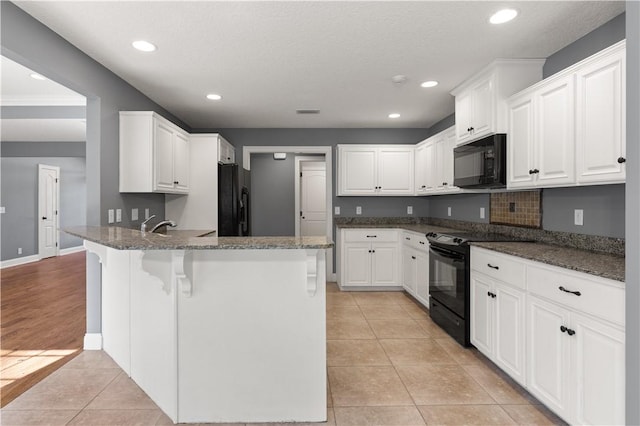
{"points": [[481, 163]]}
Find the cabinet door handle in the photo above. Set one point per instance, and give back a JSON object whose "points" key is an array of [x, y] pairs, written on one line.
{"points": [[492, 266], [44, 218], [369, 251], [570, 332], [489, 293], [407, 238], [444, 183], [372, 236], [622, 160], [563, 328], [413, 257], [373, 251], [577, 293]]}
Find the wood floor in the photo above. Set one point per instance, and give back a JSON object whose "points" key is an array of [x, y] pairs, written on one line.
{"points": [[42, 320]]}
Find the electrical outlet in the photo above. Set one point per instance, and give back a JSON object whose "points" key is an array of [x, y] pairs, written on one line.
{"points": [[2, 210], [448, 211], [19, 250], [110, 214], [481, 212], [336, 210], [358, 210], [134, 214], [118, 215], [409, 209], [578, 217], [512, 207], [146, 213]]}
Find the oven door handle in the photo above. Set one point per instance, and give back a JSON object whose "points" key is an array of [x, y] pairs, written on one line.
{"points": [[446, 253]]}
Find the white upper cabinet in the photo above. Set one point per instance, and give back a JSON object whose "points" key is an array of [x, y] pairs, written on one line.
{"points": [[541, 135], [569, 129], [434, 164], [226, 151], [481, 100], [154, 154], [375, 170], [600, 121]]}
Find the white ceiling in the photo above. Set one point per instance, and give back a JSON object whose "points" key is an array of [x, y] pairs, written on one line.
{"points": [[268, 59]]}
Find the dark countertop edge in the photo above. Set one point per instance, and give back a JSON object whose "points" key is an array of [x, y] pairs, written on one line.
{"points": [[620, 277]]}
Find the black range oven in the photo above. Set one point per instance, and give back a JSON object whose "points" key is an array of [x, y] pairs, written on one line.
{"points": [[450, 278], [449, 285]]}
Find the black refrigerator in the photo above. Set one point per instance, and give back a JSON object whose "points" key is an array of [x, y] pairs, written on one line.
{"points": [[233, 202]]}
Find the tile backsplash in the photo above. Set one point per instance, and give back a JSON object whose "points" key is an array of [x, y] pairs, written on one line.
{"points": [[523, 208]]}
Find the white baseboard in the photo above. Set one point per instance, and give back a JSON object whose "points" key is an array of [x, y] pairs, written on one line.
{"points": [[70, 250], [19, 261], [92, 342]]}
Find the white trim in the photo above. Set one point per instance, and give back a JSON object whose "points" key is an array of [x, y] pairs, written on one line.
{"points": [[328, 159], [298, 159], [19, 261], [71, 250], [92, 342]]}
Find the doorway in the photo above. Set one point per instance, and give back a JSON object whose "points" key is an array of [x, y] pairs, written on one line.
{"points": [[48, 202], [310, 197]]}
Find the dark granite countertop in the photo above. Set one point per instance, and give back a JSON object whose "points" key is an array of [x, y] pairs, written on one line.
{"points": [[599, 264], [132, 239], [414, 227]]}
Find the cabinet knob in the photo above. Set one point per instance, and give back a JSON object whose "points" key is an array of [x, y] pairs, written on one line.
{"points": [[622, 160], [44, 218], [563, 328], [444, 183], [423, 186], [413, 257]]}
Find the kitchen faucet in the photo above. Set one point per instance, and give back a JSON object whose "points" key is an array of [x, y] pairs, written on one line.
{"points": [[170, 223], [143, 226]]}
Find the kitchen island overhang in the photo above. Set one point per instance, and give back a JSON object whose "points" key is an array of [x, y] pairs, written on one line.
{"points": [[228, 329]]}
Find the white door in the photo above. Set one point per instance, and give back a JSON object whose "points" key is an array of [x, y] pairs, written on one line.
{"points": [[181, 162], [520, 142], [48, 200], [395, 171], [599, 373], [357, 169], [509, 327], [555, 136], [385, 264], [313, 199], [481, 308], [163, 157], [600, 125], [548, 355]]}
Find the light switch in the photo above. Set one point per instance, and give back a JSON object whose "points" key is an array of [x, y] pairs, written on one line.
{"points": [[134, 214], [358, 210], [578, 217], [409, 209], [336, 210], [481, 212], [110, 214]]}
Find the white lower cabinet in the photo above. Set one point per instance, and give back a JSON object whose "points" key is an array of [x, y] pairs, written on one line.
{"points": [[498, 324], [415, 266], [369, 258], [574, 361]]}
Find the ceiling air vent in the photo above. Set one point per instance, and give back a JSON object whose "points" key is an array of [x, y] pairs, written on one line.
{"points": [[307, 111]]}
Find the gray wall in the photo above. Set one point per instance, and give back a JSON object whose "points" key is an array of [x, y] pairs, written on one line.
{"points": [[632, 214], [603, 36], [371, 206], [463, 207], [43, 149], [28, 42], [272, 195], [20, 198]]}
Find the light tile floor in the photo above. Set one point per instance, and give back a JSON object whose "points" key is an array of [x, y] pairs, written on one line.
{"points": [[387, 363]]}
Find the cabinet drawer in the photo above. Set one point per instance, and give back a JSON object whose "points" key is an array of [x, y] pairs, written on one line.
{"points": [[597, 297], [499, 266], [415, 240], [371, 235]]}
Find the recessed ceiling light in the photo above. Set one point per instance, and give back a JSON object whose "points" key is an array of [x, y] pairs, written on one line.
{"points": [[144, 46], [37, 76], [502, 16], [214, 97], [394, 115], [430, 83]]}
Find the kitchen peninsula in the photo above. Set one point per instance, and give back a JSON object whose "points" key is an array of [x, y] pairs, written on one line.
{"points": [[216, 329]]}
